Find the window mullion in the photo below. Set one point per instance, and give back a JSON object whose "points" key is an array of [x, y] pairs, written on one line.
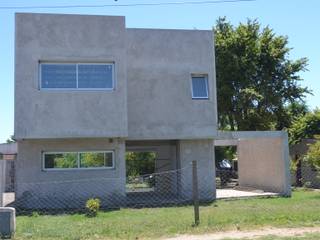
{"points": [[113, 160], [77, 72], [78, 154]]}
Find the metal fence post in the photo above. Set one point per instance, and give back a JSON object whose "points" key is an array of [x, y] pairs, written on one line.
{"points": [[195, 192]]}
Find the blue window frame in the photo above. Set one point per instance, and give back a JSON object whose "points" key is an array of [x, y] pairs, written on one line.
{"points": [[79, 76], [199, 87]]}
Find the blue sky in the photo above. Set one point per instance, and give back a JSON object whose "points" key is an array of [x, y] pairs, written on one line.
{"points": [[298, 19]]}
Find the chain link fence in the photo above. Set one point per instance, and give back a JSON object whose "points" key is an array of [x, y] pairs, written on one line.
{"points": [[169, 188], [306, 176], [226, 179], [178, 187]]}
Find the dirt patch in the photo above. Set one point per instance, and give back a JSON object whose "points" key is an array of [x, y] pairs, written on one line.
{"points": [[281, 232]]}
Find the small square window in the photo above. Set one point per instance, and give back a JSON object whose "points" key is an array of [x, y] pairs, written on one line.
{"points": [[200, 87]]}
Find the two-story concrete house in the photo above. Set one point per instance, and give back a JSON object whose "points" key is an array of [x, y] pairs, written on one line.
{"points": [[87, 87]]}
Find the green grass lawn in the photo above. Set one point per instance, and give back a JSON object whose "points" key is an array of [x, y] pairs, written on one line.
{"points": [[302, 209]]}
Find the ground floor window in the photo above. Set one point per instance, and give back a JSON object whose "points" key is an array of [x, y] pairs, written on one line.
{"points": [[140, 169], [78, 160]]}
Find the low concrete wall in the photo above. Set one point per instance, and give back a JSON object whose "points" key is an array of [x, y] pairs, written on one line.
{"points": [[264, 164], [263, 158]]}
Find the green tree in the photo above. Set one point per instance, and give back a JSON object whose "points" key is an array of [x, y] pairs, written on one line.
{"points": [[256, 80], [140, 163], [306, 126], [65, 160], [92, 159], [11, 139]]}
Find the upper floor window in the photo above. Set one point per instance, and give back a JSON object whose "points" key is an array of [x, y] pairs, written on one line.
{"points": [[82, 76], [199, 87]]}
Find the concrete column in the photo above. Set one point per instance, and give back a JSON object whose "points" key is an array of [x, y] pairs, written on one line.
{"points": [[203, 152]]}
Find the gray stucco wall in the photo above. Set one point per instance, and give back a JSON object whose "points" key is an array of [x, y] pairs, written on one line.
{"points": [[37, 188], [68, 114], [152, 100], [156, 63], [8, 148], [52, 189], [160, 64]]}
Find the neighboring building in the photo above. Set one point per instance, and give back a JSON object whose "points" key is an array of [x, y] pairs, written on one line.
{"points": [[88, 89], [8, 153]]}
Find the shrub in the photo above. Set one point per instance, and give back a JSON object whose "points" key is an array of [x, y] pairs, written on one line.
{"points": [[313, 154], [92, 207], [35, 214], [307, 184]]}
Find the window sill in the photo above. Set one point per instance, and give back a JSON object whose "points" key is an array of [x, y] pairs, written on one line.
{"points": [[78, 169]]}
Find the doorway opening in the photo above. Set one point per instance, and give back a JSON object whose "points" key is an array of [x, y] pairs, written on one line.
{"points": [[140, 169], [226, 163]]}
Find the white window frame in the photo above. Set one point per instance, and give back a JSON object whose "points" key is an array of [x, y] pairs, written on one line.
{"points": [[77, 64], [78, 168], [205, 76]]}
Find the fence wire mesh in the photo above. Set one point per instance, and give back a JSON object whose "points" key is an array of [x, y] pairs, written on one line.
{"points": [[226, 179], [38, 202], [306, 175], [162, 189], [168, 188]]}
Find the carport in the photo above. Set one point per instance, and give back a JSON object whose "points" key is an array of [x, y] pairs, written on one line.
{"points": [[263, 163]]}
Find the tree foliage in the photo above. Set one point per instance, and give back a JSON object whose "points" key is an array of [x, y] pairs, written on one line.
{"points": [[66, 160], [11, 139], [313, 154], [92, 159], [140, 163], [256, 80], [306, 126]]}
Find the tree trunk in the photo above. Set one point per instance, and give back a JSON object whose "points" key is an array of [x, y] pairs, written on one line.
{"points": [[299, 171]]}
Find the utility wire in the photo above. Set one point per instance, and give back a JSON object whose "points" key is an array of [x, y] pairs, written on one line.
{"points": [[124, 5]]}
